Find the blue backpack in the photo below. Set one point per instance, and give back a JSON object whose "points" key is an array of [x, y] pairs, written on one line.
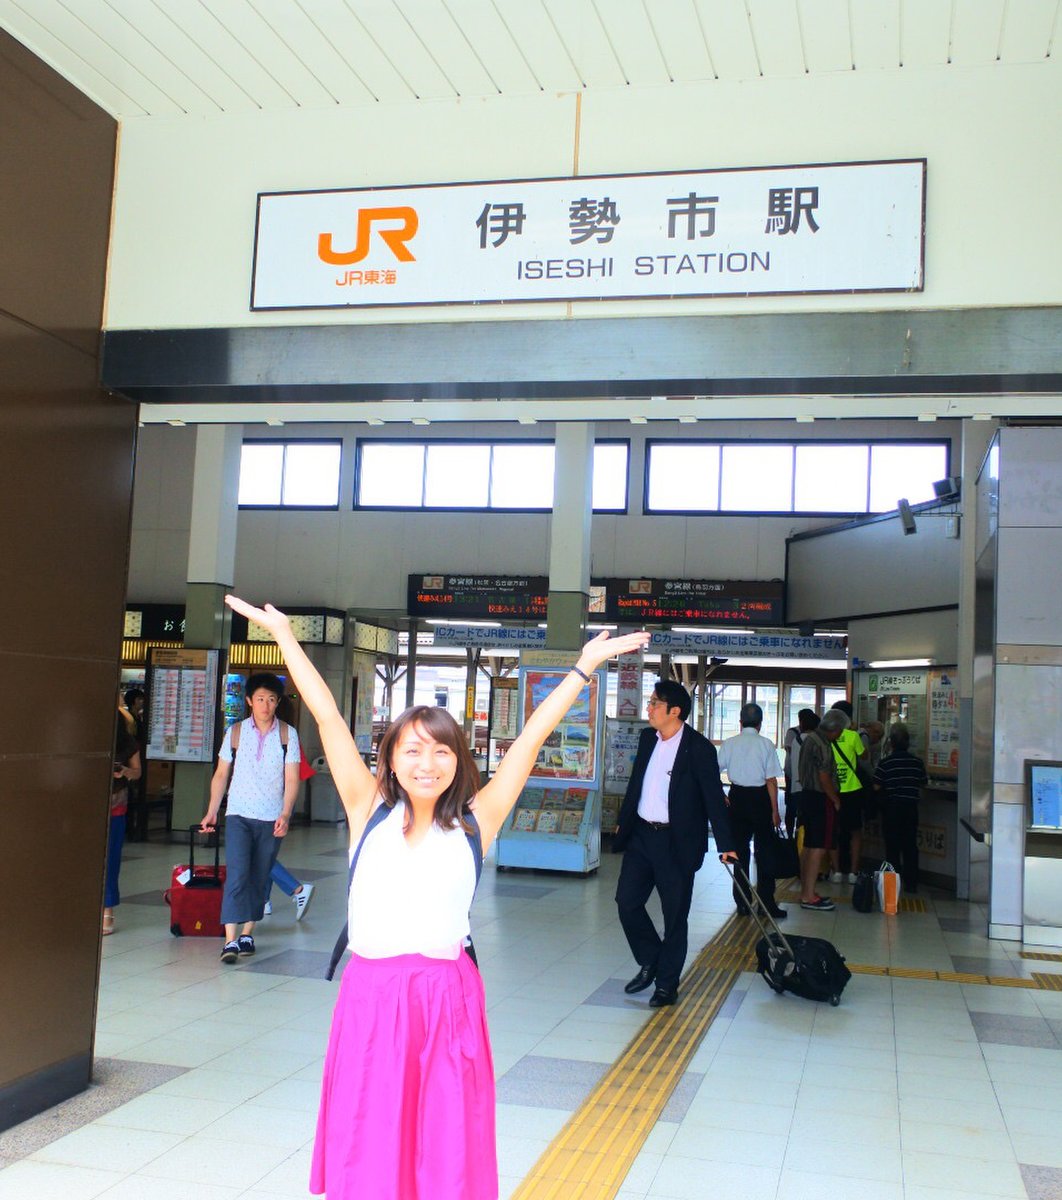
{"points": [[382, 812]]}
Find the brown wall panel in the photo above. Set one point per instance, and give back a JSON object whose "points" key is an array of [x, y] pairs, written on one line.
{"points": [[66, 461], [57, 150]]}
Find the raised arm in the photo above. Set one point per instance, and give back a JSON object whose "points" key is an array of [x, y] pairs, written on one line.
{"points": [[353, 779], [499, 795]]}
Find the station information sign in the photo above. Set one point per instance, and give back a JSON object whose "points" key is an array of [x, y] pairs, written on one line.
{"points": [[747, 603], [718, 602], [500, 597]]}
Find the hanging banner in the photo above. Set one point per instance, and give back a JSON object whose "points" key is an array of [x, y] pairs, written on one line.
{"points": [[837, 227]]}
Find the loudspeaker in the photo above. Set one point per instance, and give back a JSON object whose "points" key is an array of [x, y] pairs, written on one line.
{"points": [[946, 489], [906, 518]]}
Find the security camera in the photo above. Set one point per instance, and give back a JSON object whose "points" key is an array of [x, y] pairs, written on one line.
{"points": [[906, 517]]}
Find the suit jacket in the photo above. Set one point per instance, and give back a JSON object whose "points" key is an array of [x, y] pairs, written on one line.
{"points": [[695, 798]]}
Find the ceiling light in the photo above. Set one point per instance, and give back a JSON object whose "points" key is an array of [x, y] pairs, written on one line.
{"points": [[374, 420], [805, 419], [639, 420], [927, 416], [687, 420], [421, 421], [477, 624], [527, 420], [274, 421], [176, 423], [982, 416]]}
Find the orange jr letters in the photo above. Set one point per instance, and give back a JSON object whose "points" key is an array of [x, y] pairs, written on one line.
{"points": [[367, 217]]}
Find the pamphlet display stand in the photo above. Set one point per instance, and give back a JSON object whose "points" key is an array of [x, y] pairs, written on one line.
{"points": [[556, 824]]}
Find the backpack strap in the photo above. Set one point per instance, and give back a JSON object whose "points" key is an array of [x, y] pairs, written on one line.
{"points": [[234, 739], [475, 842]]}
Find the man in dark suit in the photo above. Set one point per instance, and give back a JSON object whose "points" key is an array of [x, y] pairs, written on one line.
{"points": [[674, 793]]}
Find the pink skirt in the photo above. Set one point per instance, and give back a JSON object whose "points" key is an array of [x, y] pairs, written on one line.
{"points": [[407, 1099]]}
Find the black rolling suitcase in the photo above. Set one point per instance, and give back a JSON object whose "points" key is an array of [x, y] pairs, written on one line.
{"points": [[806, 966]]}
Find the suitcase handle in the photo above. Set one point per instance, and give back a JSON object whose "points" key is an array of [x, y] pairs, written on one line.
{"points": [[213, 838], [760, 915]]}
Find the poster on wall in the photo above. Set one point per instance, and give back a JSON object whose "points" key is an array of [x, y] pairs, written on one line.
{"points": [[621, 747], [570, 751], [942, 735], [182, 702]]}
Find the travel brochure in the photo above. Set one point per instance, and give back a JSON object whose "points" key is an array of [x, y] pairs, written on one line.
{"points": [[570, 751], [550, 810]]}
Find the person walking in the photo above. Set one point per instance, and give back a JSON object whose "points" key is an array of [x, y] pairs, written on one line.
{"points": [[750, 762], [407, 1098], [674, 794], [264, 783]]}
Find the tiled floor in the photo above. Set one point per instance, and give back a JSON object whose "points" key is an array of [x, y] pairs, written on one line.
{"points": [[910, 1090]]}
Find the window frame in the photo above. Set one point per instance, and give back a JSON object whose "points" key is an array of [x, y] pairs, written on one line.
{"points": [[473, 441], [945, 442], [285, 443]]}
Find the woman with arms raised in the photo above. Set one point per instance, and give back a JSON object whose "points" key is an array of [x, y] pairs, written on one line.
{"points": [[407, 1100]]}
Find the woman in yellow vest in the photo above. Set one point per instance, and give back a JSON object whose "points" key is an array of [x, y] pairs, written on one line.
{"points": [[848, 749]]}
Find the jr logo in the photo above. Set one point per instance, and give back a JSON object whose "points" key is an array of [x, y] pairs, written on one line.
{"points": [[367, 217]]}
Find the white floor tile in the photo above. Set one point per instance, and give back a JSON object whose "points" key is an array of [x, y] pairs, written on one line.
{"points": [[108, 1148], [972, 1176], [32, 1180]]}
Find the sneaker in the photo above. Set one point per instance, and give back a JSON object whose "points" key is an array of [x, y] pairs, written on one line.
{"points": [[819, 904], [244, 945], [302, 900], [267, 909], [230, 952], [837, 877], [851, 877]]}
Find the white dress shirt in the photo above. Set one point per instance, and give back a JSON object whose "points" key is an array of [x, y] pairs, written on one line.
{"points": [[749, 759], [652, 804]]}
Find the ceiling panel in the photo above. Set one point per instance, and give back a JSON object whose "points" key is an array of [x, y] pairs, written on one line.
{"points": [[580, 29], [875, 34], [532, 28], [825, 34], [975, 31], [502, 57], [362, 53], [1027, 29], [925, 32], [728, 36], [677, 30], [443, 40], [776, 31], [313, 45], [266, 47], [220, 46], [82, 44], [633, 41]]}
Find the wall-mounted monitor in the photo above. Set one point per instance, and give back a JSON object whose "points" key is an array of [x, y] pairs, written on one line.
{"points": [[1043, 789]]}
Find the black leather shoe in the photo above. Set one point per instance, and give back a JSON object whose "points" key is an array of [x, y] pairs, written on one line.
{"points": [[662, 997], [641, 981], [741, 911], [779, 914]]}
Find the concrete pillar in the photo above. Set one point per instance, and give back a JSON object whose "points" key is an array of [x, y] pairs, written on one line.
{"points": [[569, 547], [211, 571]]}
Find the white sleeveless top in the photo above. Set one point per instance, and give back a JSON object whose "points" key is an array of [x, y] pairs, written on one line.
{"points": [[411, 899]]}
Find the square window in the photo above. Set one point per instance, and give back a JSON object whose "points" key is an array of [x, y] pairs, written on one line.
{"points": [[757, 478], [683, 478], [831, 479], [391, 474], [522, 476], [457, 476]]}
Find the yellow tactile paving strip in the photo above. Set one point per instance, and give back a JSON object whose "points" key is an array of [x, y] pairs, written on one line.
{"points": [[591, 1156]]}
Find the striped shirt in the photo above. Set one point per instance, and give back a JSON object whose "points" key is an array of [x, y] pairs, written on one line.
{"points": [[902, 775]]}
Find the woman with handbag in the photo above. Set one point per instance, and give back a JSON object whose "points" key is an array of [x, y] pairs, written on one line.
{"points": [[126, 770]]}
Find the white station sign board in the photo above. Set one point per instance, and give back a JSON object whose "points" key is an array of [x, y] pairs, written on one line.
{"points": [[838, 227]]}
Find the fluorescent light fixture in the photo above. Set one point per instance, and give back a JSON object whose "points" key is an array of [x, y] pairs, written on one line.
{"points": [[639, 420], [927, 416], [176, 423], [274, 421], [421, 421], [687, 419], [600, 627], [478, 624], [982, 417], [805, 419], [374, 420], [885, 664]]}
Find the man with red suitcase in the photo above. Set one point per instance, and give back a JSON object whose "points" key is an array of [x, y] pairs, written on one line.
{"points": [[264, 784]]}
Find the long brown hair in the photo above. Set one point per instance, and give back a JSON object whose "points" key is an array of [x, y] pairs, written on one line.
{"points": [[437, 723]]}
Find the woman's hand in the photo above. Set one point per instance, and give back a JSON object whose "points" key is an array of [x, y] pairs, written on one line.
{"points": [[269, 617], [601, 648]]}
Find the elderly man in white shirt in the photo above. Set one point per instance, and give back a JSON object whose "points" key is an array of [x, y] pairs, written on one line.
{"points": [[752, 765]]}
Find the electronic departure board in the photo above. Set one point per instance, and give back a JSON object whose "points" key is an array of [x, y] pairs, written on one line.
{"points": [[694, 601], [747, 603], [499, 597]]}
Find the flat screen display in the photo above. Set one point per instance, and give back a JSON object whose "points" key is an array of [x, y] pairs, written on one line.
{"points": [[1044, 784]]}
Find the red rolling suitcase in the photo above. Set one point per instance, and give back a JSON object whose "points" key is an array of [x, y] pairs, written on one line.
{"points": [[194, 894]]}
